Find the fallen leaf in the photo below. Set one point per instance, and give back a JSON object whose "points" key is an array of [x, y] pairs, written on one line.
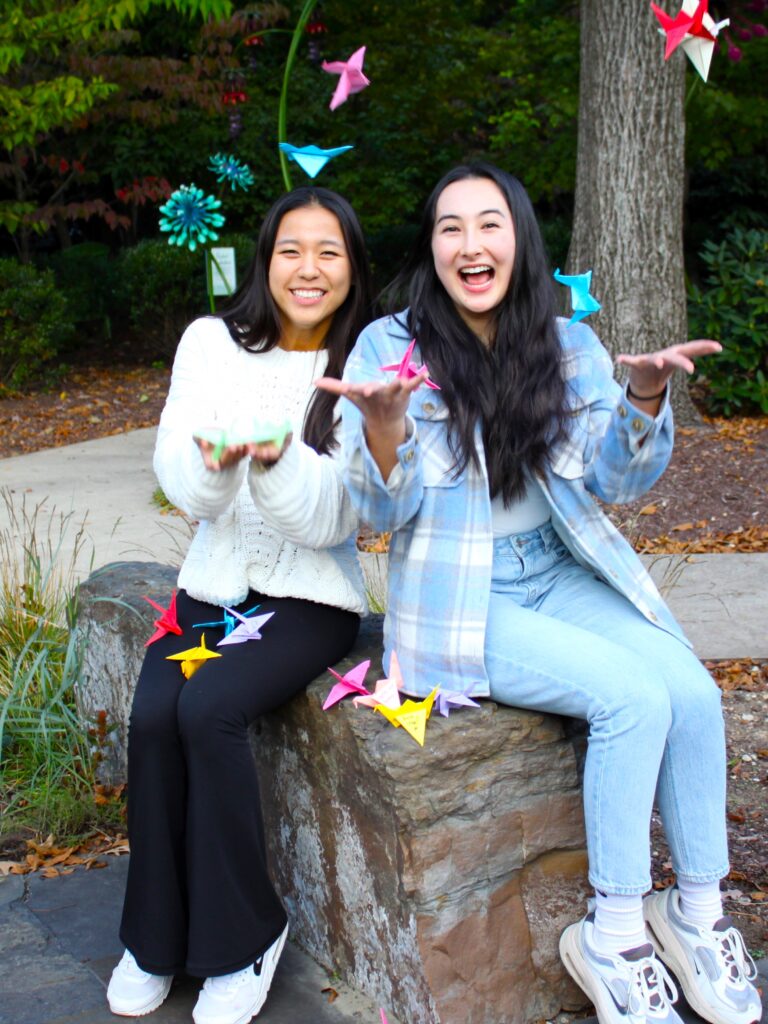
{"points": [[331, 993]]}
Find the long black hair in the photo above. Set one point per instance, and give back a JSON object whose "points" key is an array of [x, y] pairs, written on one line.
{"points": [[513, 386], [252, 315]]}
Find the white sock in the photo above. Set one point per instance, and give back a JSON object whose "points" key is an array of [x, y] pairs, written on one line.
{"points": [[619, 923], [700, 902]]}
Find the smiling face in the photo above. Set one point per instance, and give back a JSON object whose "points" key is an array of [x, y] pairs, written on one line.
{"points": [[473, 246], [309, 275]]}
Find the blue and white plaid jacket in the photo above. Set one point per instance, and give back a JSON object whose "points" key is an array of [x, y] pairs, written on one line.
{"points": [[442, 543]]}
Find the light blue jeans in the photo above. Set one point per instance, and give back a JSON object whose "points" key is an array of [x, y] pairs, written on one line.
{"points": [[560, 640]]}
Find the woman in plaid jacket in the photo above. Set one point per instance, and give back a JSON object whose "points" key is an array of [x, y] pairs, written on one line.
{"points": [[507, 580]]}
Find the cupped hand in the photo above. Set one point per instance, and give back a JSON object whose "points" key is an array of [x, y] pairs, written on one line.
{"points": [[228, 457], [650, 371], [268, 453], [383, 404]]}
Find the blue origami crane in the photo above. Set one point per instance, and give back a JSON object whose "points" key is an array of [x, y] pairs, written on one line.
{"points": [[582, 302], [229, 622], [310, 158]]}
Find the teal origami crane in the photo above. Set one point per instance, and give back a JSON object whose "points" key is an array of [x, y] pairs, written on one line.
{"points": [[311, 159], [229, 622], [581, 301], [244, 431]]}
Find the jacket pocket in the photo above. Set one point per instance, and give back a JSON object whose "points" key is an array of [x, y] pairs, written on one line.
{"points": [[438, 464]]}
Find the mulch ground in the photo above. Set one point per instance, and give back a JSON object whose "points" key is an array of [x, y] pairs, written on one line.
{"points": [[712, 498]]}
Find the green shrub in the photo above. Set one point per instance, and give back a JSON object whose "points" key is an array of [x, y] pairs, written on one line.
{"points": [[732, 308], [160, 288], [35, 324], [86, 273]]}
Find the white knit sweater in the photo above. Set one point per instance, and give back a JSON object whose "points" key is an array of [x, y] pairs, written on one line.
{"points": [[288, 531]]}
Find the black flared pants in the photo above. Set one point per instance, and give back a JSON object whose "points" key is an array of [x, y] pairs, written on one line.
{"points": [[198, 896]]}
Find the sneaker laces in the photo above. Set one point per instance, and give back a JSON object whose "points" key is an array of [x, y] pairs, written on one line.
{"points": [[130, 966], [228, 982], [651, 990], [739, 965]]}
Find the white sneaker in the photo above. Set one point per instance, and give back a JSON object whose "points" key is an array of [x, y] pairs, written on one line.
{"points": [[132, 992], [631, 988], [713, 967], [237, 998]]}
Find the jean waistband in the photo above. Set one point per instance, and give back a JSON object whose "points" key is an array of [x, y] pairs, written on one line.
{"points": [[544, 536]]}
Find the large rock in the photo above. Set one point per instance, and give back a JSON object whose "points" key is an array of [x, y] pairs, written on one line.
{"points": [[117, 622], [435, 879]]}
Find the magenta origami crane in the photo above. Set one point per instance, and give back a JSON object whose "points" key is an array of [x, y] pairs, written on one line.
{"points": [[167, 623], [248, 629], [350, 682], [383, 1017], [352, 78], [386, 691], [407, 369]]}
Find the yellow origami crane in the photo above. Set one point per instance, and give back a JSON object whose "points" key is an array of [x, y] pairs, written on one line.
{"points": [[193, 658], [412, 715]]}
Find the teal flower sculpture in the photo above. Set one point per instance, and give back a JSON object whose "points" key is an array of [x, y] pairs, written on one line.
{"points": [[190, 217], [229, 168]]}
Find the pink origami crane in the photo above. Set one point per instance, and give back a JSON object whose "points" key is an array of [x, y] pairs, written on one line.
{"points": [[247, 630], [167, 623], [386, 691], [383, 1017], [350, 682], [352, 78], [407, 369]]}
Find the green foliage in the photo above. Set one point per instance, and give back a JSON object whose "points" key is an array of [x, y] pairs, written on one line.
{"points": [[160, 287], [733, 307], [46, 760], [87, 275], [34, 323]]}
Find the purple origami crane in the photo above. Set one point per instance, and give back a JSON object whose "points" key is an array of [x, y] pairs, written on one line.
{"points": [[447, 699], [352, 78], [247, 630], [407, 369]]}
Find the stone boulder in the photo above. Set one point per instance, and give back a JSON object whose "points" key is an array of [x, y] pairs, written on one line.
{"points": [[435, 879]]}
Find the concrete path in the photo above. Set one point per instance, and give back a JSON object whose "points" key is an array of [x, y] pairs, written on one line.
{"points": [[58, 945], [106, 487]]}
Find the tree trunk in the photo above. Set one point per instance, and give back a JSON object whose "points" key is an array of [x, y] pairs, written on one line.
{"points": [[630, 179]]}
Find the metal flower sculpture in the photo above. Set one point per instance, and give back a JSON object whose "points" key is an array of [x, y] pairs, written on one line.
{"points": [[190, 217], [230, 169]]}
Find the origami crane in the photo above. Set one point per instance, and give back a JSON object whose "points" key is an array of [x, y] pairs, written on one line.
{"points": [[350, 682], [229, 622], [407, 369], [311, 159], [167, 623], [383, 1017], [248, 629], [352, 78], [447, 699], [412, 715], [244, 431], [581, 301], [386, 691], [694, 29], [193, 658]]}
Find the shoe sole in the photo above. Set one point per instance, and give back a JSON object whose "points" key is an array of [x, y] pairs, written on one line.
{"points": [[148, 1007], [576, 965], [674, 954]]}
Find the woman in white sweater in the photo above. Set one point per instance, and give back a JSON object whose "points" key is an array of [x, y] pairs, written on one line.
{"points": [[276, 530]]}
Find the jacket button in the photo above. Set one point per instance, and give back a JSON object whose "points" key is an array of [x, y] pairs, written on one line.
{"points": [[429, 408], [408, 456], [622, 411], [652, 617], [637, 425]]}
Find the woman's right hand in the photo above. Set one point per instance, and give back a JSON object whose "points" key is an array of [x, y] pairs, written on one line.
{"points": [[383, 406], [229, 456]]}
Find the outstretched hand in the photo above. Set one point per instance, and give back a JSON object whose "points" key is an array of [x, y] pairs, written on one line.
{"points": [[265, 455], [649, 372]]}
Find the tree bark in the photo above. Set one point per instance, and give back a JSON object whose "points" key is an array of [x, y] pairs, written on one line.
{"points": [[630, 182]]}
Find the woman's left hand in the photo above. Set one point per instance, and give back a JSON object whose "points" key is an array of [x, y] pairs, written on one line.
{"points": [[269, 453], [649, 372]]}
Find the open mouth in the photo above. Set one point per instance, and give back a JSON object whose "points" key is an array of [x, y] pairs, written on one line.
{"points": [[477, 276], [307, 294]]}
